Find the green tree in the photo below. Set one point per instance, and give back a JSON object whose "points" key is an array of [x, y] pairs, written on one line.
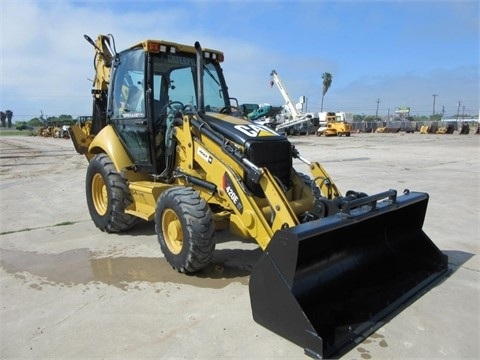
{"points": [[327, 82], [370, 118], [419, 118], [64, 117], [35, 122]]}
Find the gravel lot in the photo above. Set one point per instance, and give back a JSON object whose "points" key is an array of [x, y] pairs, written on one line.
{"points": [[68, 290]]}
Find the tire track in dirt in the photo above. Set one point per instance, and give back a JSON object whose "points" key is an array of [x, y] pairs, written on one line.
{"points": [[24, 157]]}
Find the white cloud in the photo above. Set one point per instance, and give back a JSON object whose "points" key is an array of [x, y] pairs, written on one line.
{"points": [[46, 63]]}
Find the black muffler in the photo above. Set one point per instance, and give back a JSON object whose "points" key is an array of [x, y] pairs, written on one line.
{"points": [[327, 284]]}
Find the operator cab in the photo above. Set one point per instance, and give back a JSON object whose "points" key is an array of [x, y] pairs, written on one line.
{"points": [[152, 83]]}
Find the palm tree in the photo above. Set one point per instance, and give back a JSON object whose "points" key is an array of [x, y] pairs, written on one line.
{"points": [[327, 81]]}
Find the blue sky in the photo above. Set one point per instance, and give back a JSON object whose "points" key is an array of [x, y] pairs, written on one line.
{"points": [[401, 52]]}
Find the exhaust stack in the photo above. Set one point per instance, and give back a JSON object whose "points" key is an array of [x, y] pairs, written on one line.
{"points": [[200, 95]]}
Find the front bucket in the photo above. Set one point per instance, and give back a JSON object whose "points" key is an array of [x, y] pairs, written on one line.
{"points": [[327, 284]]}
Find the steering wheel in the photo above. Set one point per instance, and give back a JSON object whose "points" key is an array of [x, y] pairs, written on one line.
{"points": [[228, 110], [172, 107]]}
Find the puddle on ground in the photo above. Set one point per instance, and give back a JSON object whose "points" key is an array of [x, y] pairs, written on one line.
{"points": [[373, 338], [80, 266], [364, 353]]}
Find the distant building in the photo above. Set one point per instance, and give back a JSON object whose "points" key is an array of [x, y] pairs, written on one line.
{"points": [[402, 112]]}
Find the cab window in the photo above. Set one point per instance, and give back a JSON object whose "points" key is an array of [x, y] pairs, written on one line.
{"points": [[128, 105]]}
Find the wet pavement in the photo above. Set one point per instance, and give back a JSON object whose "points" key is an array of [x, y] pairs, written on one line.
{"points": [[82, 266], [68, 290]]}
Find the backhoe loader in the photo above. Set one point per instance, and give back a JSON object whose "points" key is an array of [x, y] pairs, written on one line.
{"points": [[167, 144]]}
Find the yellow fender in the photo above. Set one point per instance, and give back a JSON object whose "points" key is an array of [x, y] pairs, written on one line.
{"points": [[107, 141]]}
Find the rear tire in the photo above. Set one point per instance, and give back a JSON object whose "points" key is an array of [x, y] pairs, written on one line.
{"points": [[108, 196], [185, 229]]}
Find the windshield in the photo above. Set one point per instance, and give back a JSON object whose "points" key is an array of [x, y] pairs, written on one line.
{"points": [[175, 78]]}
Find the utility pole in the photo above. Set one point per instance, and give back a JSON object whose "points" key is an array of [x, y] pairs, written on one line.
{"points": [[458, 109], [376, 114], [433, 113]]}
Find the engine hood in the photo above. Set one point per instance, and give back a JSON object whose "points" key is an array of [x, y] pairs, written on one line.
{"points": [[261, 145], [241, 131]]}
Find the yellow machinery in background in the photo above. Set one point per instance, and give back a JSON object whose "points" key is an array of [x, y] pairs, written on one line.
{"points": [[334, 124]]}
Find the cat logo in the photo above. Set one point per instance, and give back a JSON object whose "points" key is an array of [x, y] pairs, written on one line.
{"points": [[255, 130]]}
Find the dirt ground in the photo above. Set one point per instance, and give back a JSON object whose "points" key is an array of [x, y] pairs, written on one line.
{"points": [[67, 290]]}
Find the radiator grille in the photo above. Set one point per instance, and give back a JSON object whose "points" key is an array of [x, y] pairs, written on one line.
{"points": [[276, 156]]}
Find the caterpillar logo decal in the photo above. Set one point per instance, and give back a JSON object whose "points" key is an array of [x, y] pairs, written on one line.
{"points": [[255, 130], [232, 192]]}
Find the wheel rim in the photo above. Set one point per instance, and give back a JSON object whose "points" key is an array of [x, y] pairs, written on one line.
{"points": [[99, 194], [172, 231]]}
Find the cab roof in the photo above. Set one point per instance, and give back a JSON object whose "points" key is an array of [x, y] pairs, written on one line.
{"points": [[158, 46]]}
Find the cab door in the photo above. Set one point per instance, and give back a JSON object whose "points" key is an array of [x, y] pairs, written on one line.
{"points": [[128, 113]]}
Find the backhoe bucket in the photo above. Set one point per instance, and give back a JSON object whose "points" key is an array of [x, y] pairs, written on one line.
{"points": [[327, 284]]}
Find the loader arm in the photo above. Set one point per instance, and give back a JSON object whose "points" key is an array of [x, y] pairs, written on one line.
{"points": [[328, 283], [321, 177], [250, 217]]}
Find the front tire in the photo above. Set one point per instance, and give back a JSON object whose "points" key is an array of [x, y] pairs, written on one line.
{"points": [[108, 196], [185, 229]]}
